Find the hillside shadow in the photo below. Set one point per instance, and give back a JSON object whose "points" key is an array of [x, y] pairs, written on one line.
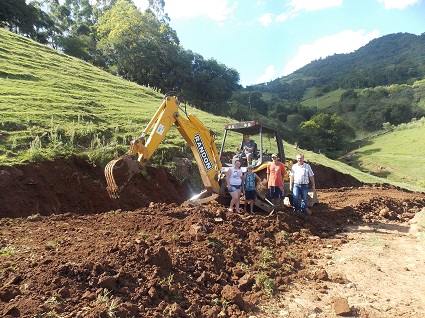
{"points": [[369, 151], [25, 77]]}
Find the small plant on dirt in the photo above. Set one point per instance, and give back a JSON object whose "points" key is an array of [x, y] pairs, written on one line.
{"points": [[245, 267], [112, 307], [52, 300], [7, 251], [143, 235], [284, 237], [173, 239], [144, 173], [35, 148], [265, 283], [221, 302], [103, 297], [267, 259], [167, 282], [112, 304], [215, 243]]}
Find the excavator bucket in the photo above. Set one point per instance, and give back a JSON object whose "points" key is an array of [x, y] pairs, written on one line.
{"points": [[118, 172]]}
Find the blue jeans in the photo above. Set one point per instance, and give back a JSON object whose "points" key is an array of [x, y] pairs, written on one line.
{"points": [[303, 190]]}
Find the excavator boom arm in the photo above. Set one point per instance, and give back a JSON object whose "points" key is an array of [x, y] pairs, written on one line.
{"points": [[200, 139]]}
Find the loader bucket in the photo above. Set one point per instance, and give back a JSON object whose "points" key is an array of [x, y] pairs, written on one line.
{"points": [[118, 172]]}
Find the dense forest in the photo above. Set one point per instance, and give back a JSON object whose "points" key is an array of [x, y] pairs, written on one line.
{"points": [[376, 87]]}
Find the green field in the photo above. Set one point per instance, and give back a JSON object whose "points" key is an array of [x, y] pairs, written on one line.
{"points": [[397, 155], [323, 101], [54, 105]]}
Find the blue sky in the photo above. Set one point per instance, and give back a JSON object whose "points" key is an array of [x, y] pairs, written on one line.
{"points": [[267, 39]]}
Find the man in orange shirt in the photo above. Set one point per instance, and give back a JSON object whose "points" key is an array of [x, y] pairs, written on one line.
{"points": [[275, 173]]}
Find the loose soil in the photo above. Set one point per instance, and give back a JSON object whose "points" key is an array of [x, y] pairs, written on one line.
{"points": [[68, 250]]}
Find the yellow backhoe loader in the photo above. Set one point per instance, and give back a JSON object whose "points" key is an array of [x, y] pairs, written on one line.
{"points": [[201, 140]]}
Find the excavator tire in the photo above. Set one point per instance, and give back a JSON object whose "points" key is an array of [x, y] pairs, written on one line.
{"points": [[118, 172]]}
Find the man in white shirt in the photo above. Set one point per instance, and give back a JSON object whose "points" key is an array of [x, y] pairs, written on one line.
{"points": [[300, 176]]}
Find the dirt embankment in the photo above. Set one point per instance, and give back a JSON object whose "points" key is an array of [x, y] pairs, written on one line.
{"points": [[67, 250], [75, 186]]}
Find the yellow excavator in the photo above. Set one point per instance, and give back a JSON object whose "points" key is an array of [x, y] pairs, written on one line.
{"points": [[200, 139], [212, 164]]}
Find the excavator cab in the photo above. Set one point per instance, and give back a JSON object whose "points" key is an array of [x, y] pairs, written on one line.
{"points": [[267, 142], [266, 137]]}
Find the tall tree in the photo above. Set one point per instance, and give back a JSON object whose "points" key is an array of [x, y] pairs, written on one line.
{"points": [[157, 7], [211, 85], [137, 46], [325, 133], [19, 17]]}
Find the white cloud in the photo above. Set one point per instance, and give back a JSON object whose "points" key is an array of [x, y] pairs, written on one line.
{"points": [[217, 10], [266, 19], [306, 5], [313, 5], [268, 75], [285, 16], [397, 4], [344, 42]]}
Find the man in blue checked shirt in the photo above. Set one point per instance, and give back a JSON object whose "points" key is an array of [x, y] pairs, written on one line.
{"points": [[300, 176]]}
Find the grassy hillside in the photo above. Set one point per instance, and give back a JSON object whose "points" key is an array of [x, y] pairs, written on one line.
{"points": [[323, 101], [55, 105], [52, 104], [397, 155]]}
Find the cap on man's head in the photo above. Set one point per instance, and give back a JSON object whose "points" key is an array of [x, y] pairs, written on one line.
{"points": [[250, 167], [274, 155]]}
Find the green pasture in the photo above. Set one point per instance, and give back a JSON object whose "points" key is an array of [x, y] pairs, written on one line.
{"points": [[397, 155], [54, 105], [321, 102]]}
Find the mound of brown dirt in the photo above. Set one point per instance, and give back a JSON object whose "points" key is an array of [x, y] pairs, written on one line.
{"points": [[160, 259], [73, 185], [326, 177]]}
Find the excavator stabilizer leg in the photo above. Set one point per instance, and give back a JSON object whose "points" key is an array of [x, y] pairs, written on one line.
{"points": [[201, 198], [118, 172]]}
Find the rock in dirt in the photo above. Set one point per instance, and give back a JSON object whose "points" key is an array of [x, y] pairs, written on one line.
{"points": [[340, 306]]}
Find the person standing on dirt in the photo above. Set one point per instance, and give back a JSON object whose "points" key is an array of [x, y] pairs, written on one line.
{"points": [[275, 174], [247, 147], [234, 185], [300, 176], [249, 188]]}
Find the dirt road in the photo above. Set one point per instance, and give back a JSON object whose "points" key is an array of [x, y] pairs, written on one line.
{"points": [[378, 272], [69, 251]]}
